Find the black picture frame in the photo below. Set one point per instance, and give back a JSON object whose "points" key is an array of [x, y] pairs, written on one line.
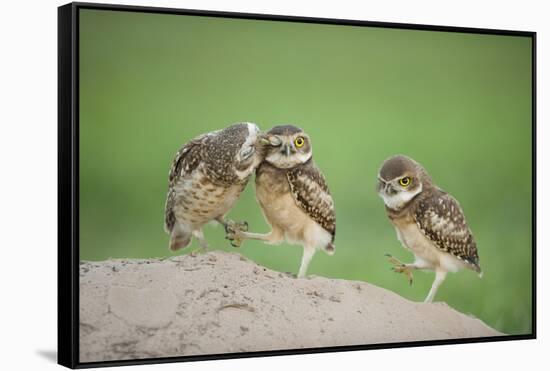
{"points": [[68, 181]]}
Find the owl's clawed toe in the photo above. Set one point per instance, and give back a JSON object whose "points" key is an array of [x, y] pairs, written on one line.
{"points": [[235, 243], [231, 226], [400, 267], [228, 226], [242, 226], [407, 271], [234, 231], [234, 237]]}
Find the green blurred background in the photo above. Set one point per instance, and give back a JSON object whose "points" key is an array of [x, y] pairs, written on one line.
{"points": [[460, 104]]}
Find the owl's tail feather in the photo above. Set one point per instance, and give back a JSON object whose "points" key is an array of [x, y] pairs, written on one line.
{"points": [[179, 238], [330, 248], [179, 242]]}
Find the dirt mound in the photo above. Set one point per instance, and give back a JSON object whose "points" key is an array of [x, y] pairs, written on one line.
{"points": [[224, 303]]}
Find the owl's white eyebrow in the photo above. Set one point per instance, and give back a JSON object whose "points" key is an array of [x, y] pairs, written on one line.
{"points": [[388, 181]]}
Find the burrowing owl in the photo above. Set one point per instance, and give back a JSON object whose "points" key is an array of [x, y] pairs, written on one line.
{"points": [[207, 177], [429, 222], [293, 195]]}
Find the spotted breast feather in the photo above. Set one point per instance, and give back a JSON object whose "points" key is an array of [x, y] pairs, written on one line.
{"points": [[310, 191], [441, 220]]}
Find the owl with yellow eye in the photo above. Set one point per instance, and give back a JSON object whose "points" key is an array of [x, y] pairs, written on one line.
{"points": [[429, 222], [293, 195]]}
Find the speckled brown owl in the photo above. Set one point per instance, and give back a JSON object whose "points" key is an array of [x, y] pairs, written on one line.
{"points": [[207, 177], [293, 195], [429, 222]]}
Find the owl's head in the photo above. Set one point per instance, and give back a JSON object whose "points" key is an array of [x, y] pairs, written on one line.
{"points": [[235, 150], [249, 154], [287, 146], [400, 179]]}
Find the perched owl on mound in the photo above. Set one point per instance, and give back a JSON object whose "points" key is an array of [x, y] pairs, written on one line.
{"points": [[293, 195], [207, 177], [429, 222]]}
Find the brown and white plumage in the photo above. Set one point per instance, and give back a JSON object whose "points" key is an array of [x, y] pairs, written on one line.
{"points": [[293, 195], [310, 191], [206, 178], [428, 221], [442, 221]]}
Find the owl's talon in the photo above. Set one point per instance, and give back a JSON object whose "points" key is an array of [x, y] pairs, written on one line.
{"points": [[235, 241], [232, 226], [400, 267], [233, 236], [228, 226], [239, 226]]}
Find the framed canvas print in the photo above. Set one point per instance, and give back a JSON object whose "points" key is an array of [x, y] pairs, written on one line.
{"points": [[236, 185]]}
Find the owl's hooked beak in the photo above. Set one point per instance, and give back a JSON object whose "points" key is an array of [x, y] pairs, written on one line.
{"points": [[286, 149], [385, 188], [389, 190]]}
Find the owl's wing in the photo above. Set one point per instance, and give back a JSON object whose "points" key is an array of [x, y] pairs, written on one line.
{"points": [[186, 160], [310, 191], [442, 221]]}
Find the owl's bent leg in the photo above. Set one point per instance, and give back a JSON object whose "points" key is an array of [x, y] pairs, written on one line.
{"points": [[309, 251], [237, 237], [439, 278], [180, 237], [199, 235], [400, 267]]}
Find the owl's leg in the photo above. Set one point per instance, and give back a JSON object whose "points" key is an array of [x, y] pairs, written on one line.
{"points": [[400, 267], [199, 235], [309, 251], [439, 278], [237, 237]]}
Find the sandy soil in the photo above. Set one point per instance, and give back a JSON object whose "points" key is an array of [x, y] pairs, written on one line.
{"points": [[221, 302]]}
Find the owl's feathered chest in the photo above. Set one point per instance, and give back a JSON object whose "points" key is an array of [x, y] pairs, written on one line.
{"points": [[274, 196], [407, 231], [297, 202], [199, 198], [272, 179]]}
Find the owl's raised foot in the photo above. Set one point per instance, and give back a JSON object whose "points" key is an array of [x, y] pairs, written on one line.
{"points": [[234, 238], [232, 226], [400, 267], [233, 232]]}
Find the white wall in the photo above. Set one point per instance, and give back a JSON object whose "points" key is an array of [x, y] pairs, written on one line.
{"points": [[28, 181]]}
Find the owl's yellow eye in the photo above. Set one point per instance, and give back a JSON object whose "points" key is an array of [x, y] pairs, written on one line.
{"points": [[299, 142], [405, 181]]}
